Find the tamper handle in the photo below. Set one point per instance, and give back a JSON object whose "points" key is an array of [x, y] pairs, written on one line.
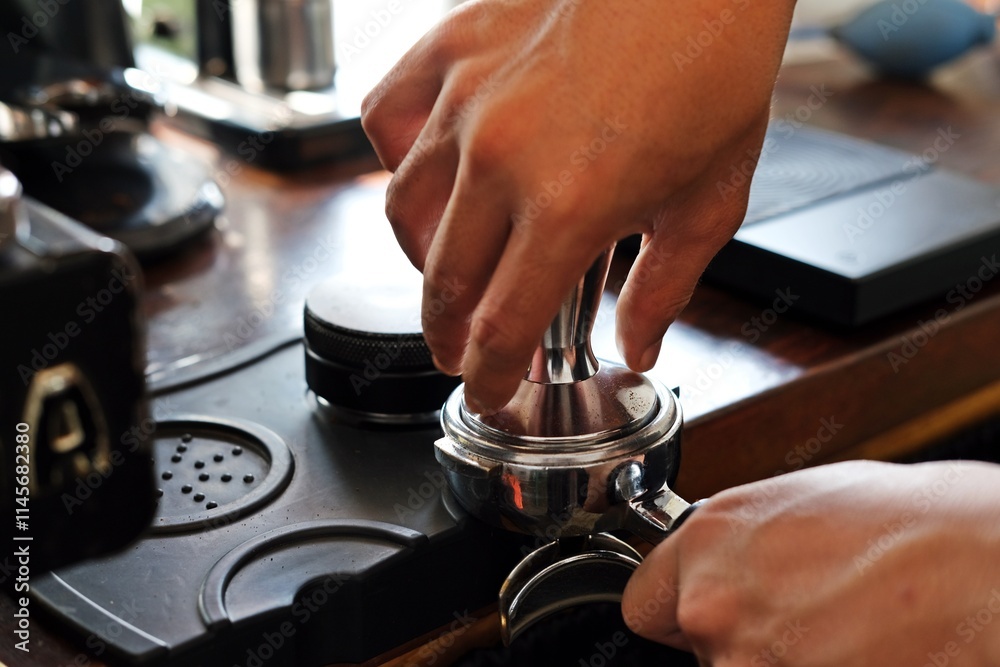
{"points": [[565, 354]]}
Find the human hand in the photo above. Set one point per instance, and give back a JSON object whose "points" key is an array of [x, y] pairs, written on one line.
{"points": [[526, 136], [854, 564]]}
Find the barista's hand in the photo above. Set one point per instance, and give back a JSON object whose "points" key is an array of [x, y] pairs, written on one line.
{"points": [[528, 135], [855, 564]]}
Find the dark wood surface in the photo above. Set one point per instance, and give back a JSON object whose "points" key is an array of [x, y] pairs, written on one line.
{"points": [[771, 396]]}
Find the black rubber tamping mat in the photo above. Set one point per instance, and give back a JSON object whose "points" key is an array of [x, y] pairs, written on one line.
{"points": [[282, 538], [847, 231]]}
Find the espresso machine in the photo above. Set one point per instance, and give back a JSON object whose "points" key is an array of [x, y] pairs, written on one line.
{"points": [[75, 119], [264, 72]]}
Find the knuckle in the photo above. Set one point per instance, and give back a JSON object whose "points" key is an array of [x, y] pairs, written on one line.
{"points": [[704, 614], [395, 207], [398, 220], [462, 26], [492, 141], [488, 149], [412, 237], [372, 117], [368, 106]]}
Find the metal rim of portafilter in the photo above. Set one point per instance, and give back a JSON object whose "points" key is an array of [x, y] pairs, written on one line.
{"points": [[584, 447]]}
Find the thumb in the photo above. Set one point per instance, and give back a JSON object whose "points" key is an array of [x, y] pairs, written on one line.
{"points": [[694, 225], [649, 603], [660, 285]]}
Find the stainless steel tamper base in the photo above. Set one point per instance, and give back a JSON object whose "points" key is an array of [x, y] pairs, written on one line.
{"points": [[559, 486], [584, 447]]}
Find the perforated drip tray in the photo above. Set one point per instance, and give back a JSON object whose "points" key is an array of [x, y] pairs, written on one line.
{"points": [[283, 538]]}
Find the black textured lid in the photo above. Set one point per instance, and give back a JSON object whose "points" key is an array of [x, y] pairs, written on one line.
{"points": [[365, 350], [351, 323]]}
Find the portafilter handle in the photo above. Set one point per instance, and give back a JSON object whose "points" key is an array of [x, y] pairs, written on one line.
{"points": [[565, 354]]}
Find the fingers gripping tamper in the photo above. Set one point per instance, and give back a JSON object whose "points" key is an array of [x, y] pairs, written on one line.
{"points": [[585, 446]]}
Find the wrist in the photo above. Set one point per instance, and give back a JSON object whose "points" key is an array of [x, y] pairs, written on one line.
{"points": [[969, 498]]}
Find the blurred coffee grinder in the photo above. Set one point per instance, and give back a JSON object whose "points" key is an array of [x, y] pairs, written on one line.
{"points": [[75, 116], [76, 477]]}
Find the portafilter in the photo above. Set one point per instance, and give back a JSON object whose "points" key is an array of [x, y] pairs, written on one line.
{"points": [[584, 447]]}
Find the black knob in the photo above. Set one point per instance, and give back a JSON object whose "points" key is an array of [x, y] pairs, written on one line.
{"points": [[366, 354]]}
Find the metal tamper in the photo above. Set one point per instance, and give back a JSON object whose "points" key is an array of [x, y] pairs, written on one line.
{"points": [[584, 447]]}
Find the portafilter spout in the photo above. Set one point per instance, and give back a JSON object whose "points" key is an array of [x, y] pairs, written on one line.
{"points": [[585, 446]]}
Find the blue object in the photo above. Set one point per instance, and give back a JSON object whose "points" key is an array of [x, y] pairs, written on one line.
{"points": [[909, 38]]}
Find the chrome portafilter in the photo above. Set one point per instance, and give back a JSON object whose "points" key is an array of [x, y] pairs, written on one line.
{"points": [[584, 447]]}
